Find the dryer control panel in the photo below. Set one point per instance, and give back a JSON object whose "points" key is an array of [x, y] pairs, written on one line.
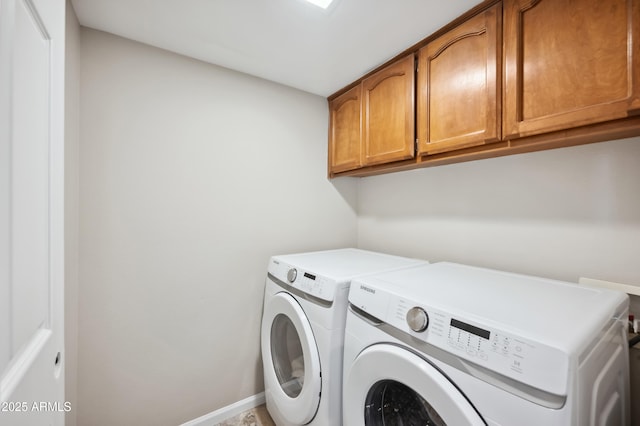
{"points": [[306, 281], [471, 339], [325, 274]]}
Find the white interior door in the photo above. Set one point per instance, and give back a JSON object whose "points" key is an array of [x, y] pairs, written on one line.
{"points": [[31, 212]]}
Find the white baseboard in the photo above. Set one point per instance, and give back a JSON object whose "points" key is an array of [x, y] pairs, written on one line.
{"points": [[225, 413]]}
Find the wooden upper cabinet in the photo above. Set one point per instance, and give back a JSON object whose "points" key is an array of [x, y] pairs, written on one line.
{"points": [[459, 86], [507, 77], [388, 113], [569, 63], [345, 136]]}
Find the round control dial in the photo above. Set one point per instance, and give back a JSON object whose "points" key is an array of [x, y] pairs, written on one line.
{"points": [[292, 274], [417, 319]]}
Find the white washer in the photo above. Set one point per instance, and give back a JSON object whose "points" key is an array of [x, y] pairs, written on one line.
{"points": [[457, 345], [305, 307]]}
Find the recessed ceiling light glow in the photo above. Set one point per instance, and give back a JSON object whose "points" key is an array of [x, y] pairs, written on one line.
{"points": [[321, 3]]}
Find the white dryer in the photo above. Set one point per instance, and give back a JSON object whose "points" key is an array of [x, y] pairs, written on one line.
{"points": [[305, 307], [448, 344]]}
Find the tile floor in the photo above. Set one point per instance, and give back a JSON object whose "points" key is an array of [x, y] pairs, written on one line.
{"points": [[255, 417]]}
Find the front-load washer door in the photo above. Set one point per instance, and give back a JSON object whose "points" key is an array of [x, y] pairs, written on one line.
{"points": [[391, 385], [291, 360]]}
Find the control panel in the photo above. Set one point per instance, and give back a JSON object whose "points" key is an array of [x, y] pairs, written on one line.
{"points": [[524, 360], [306, 281]]}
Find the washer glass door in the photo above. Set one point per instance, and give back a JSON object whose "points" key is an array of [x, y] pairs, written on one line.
{"points": [[287, 355], [392, 386], [392, 403], [291, 360]]}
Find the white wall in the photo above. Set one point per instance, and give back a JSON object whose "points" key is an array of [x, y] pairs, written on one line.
{"points": [[71, 222], [191, 176], [562, 213]]}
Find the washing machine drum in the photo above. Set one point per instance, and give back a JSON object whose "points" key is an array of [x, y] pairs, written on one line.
{"points": [[291, 360], [391, 385]]}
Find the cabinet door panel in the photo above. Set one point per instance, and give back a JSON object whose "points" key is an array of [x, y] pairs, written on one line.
{"points": [[459, 86], [345, 137], [569, 63], [388, 113]]}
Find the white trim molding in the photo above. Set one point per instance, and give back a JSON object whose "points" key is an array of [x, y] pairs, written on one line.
{"points": [[627, 288], [225, 413]]}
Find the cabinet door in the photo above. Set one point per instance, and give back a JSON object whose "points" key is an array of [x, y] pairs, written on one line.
{"points": [[345, 134], [569, 63], [459, 86], [388, 113]]}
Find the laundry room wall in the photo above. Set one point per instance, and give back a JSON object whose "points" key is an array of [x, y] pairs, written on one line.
{"points": [[563, 213], [191, 176]]}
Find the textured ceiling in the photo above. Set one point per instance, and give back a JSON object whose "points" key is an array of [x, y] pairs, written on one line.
{"points": [[287, 41]]}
